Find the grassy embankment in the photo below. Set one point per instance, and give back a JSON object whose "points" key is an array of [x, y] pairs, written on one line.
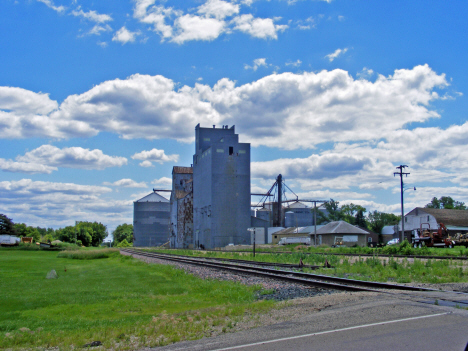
{"points": [[361, 268], [404, 249], [120, 301]]}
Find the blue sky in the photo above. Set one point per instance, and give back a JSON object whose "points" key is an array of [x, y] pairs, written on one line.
{"points": [[99, 100]]}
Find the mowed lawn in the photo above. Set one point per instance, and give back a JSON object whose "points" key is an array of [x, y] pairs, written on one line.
{"points": [[120, 301]]}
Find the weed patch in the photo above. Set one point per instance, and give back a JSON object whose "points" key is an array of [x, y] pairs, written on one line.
{"points": [[89, 254]]}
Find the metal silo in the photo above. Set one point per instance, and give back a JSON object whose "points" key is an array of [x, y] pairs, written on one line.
{"points": [[151, 220], [264, 214], [303, 215], [289, 219]]}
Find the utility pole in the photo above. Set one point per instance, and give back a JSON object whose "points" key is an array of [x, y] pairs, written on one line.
{"points": [[279, 182], [315, 223], [401, 174], [255, 234], [315, 219]]}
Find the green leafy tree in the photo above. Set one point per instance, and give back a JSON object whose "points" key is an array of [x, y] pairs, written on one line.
{"points": [[20, 229], [333, 212], [6, 225], [91, 233], [123, 232], [42, 231], [23, 230], [84, 234], [47, 238], [88, 233], [124, 243], [360, 219], [446, 202], [66, 234], [390, 218], [377, 220], [349, 212]]}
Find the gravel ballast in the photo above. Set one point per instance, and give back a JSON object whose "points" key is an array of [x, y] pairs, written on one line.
{"points": [[271, 288]]}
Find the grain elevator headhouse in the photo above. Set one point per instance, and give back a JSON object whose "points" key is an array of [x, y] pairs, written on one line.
{"points": [[221, 188]]}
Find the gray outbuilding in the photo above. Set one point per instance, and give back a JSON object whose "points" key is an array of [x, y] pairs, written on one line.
{"points": [[341, 233]]}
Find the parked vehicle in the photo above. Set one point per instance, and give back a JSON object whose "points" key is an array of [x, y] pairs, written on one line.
{"points": [[425, 237], [295, 240], [9, 240], [394, 241]]}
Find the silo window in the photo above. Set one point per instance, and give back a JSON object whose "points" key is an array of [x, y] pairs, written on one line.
{"points": [[231, 150]]}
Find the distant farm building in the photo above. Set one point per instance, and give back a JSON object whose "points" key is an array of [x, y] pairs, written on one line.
{"points": [[456, 221], [341, 233]]}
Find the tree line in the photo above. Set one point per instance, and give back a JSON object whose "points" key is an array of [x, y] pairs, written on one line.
{"points": [[83, 233], [355, 215]]}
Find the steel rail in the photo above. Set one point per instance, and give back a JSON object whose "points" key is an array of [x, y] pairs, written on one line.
{"points": [[298, 277], [347, 254], [251, 270], [259, 263]]}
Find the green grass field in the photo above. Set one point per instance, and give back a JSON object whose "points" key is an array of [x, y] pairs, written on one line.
{"points": [[119, 301]]}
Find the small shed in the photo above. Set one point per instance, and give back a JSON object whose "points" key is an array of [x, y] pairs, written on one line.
{"points": [[341, 233]]}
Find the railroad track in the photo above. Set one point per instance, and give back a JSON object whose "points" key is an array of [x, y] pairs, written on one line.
{"points": [[350, 254], [258, 263], [450, 298]]}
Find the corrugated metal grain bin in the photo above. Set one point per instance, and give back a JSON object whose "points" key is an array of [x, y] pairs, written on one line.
{"points": [[151, 220]]}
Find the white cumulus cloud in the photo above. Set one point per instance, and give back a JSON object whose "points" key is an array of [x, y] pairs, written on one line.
{"points": [[124, 36], [127, 183], [155, 155], [71, 157], [218, 9], [263, 28], [207, 22], [25, 167], [334, 55], [47, 204], [50, 4], [328, 105], [190, 27], [294, 64], [164, 182], [256, 64], [92, 16]]}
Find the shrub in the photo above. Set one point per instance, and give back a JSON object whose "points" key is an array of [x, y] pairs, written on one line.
{"points": [[124, 243], [68, 246], [88, 255]]}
